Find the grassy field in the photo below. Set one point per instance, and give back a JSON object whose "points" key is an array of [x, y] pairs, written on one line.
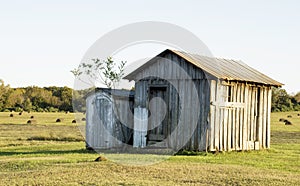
{"points": [[50, 153]]}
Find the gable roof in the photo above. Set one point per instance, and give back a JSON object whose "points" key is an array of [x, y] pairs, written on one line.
{"points": [[220, 68]]}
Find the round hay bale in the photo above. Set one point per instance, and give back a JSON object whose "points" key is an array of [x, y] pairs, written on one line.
{"points": [[298, 114], [11, 115], [31, 121], [67, 112], [287, 122], [289, 116], [31, 117], [20, 113], [101, 158], [83, 119], [73, 121], [282, 119], [58, 120]]}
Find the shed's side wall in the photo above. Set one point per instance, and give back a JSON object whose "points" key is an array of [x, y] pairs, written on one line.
{"points": [[109, 121], [175, 72], [239, 116]]}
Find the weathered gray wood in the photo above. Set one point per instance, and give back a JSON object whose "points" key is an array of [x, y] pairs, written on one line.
{"points": [[156, 137], [245, 118], [225, 121], [265, 104], [248, 133], [241, 124], [254, 130], [228, 104], [237, 119], [106, 127], [187, 86], [218, 121], [260, 117], [232, 129], [202, 115], [269, 118], [140, 127], [212, 115], [252, 115], [227, 127]]}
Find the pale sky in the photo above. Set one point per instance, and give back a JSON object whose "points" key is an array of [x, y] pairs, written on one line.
{"points": [[41, 41]]}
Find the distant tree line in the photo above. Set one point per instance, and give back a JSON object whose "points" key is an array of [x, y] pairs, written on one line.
{"points": [[282, 101], [33, 98], [53, 99]]}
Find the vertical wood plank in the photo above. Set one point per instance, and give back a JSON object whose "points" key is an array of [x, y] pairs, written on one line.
{"points": [[221, 130], [249, 114], [252, 115], [260, 116], [233, 129], [255, 115], [269, 118], [225, 116], [245, 118], [202, 115], [265, 104], [241, 124], [217, 120], [212, 115], [237, 119]]}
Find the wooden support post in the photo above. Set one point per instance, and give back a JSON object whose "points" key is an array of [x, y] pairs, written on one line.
{"points": [[269, 118], [218, 122], [245, 118], [264, 128], [212, 115]]}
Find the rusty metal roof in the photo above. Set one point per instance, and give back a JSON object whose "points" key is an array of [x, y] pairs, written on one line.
{"points": [[222, 68]]}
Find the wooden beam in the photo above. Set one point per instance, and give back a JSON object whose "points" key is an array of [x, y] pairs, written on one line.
{"points": [[212, 115], [228, 104], [269, 118], [245, 118]]}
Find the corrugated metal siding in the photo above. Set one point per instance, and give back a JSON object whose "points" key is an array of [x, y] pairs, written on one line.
{"points": [[220, 68]]}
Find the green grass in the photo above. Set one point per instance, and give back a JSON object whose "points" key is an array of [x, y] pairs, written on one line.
{"points": [[50, 153]]}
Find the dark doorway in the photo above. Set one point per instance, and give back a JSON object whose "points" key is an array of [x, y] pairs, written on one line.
{"points": [[158, 115]]}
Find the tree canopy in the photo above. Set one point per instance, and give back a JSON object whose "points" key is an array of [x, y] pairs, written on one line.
{"points": [[33, 98], [52, 99]]}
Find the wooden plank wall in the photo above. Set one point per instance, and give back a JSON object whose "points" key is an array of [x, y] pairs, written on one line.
{"points": [[233, 114], [239, 116], [107, 126], [185, 77]]}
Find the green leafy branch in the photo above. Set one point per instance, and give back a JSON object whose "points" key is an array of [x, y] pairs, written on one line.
{"points": [[107, 72]]}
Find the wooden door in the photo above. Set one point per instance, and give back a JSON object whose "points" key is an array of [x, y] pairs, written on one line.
{"points": [[158, 115]]}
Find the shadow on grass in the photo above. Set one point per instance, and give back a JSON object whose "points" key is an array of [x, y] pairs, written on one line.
{"points": [[51, 138], [49, 152]]}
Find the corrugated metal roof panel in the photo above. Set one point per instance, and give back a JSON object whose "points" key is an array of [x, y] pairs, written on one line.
{"points": [[227, 69], [221, 68]]}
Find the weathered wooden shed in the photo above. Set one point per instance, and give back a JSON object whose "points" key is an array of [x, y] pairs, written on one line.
{"points": [[200, 103], [109, 118]]}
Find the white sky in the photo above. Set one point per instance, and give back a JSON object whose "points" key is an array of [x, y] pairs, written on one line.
{"points": [[41, 41]]}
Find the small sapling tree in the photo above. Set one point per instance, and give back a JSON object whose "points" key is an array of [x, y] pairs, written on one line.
{"points": [[107, 72]]}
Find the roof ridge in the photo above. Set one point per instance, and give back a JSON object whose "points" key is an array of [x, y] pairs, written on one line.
{"points": [[213, 57]]}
